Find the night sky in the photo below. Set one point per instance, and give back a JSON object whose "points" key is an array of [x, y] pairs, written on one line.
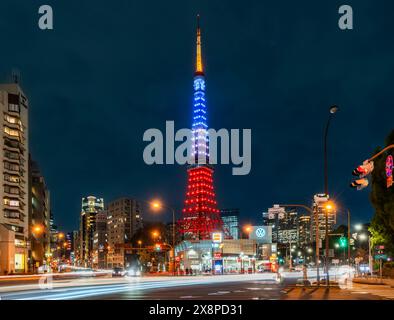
{"points": [[112, 69]]}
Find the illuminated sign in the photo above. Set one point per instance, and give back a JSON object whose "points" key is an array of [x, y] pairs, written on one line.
{"points": [[262, 234], [217, 237], [389, 170], [217, 255]]}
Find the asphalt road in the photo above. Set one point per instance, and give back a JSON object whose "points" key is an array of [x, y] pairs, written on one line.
{"points": [[228, 287]]}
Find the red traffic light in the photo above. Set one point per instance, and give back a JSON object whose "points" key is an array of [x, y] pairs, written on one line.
{"points": [[360, 184], [365, 169]]}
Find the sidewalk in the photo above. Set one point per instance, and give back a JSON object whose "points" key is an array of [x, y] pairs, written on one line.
{"points": [[374, 281]]}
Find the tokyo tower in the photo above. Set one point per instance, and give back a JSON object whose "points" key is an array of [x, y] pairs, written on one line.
{"points": [[200, 215]]}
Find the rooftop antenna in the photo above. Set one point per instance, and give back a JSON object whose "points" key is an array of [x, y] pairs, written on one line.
{"points": [[16, 75]]}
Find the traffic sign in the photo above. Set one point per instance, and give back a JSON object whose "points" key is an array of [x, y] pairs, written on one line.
{"points": [[381, 257]]}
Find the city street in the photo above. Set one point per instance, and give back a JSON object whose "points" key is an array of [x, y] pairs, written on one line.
{"points": [[227, 287]]}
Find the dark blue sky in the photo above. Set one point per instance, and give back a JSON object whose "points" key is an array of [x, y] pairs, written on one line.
{"points": [[111, 70]]}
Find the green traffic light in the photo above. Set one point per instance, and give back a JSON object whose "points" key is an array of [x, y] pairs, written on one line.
{"points": [[343, 242]]}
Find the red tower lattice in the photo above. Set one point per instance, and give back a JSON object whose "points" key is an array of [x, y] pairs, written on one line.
{"points": [[200, 215]]}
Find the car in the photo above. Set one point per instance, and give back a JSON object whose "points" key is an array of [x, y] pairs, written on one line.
{"points": [[134, 272], [118, 272]]}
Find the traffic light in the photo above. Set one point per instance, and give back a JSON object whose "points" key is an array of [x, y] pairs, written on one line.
{"points": [[360, 183], [157, 247], [342, 242], [365, 169]]}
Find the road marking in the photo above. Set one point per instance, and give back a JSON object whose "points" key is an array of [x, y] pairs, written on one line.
{"points": [[254, 288]]}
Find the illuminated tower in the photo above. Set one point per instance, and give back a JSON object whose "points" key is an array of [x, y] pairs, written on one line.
{"points": [[200, 215]]}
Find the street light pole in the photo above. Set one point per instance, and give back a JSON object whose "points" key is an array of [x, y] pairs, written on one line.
{"points": [[327, 248], [333, 110]]}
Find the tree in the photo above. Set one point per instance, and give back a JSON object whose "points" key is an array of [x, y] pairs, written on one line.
{"points": [[382, 199]]}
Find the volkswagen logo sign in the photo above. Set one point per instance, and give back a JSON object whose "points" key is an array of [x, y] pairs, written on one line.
{"points": [[260, 232]]}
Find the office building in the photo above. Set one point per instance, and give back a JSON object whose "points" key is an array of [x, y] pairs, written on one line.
{"points": [[100, 241], [284, 224], [14, 189], [230, 219], [320, 209], [123, 220], [90, 207], [39, 218], [304, 230]]}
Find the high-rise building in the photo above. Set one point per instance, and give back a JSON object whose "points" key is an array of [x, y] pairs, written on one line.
{"points": [[200, 215], [39, 217], [230, 218], [68, 244], [100, 241], [304, 230], [320, 209], [90, 207], [284, 224], [124, 218], [76, 247], [53, 231], [14, 189]]}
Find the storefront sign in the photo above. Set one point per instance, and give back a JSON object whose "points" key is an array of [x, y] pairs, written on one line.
{"points": [[389, 170], [217, 255], [217, 237]]}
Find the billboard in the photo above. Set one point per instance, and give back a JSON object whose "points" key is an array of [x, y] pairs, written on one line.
{"points": [[262, 234]]}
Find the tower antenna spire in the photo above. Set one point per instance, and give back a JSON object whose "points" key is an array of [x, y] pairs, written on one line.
{"points": [[199, 66]]}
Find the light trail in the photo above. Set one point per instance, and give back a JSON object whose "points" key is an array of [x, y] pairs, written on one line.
{"points": [[74, 290]]}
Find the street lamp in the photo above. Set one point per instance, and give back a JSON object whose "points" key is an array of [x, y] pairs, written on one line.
{"points": [[358, 227], [157, 205], [247, 229], [155, 234], [38, 229]]}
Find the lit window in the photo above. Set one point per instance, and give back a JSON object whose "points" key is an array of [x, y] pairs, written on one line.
{"points": [[11, 132], [13, 107]]}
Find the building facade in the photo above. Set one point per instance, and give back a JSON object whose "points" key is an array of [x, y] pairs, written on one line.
{"points": [[304, 230], [100, 241], [230, 218], [14, 189], [39, 218], [320, 210], [124, 218], [284, 224], [91, 206]]}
